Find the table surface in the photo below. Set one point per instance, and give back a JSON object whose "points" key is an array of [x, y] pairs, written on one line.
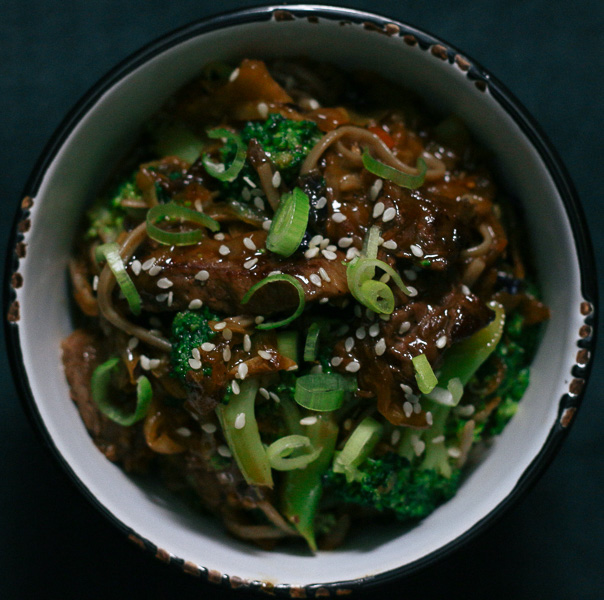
{"points": [[549, 53]]}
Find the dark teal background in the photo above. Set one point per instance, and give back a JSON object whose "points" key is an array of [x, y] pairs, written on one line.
{"points": [[550, 54]]}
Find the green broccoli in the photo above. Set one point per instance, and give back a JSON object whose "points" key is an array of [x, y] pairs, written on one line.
{"points": [[286, 141], [189, 331]]}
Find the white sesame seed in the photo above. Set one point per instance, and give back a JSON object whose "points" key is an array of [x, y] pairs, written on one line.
{"points": [[208, 346], [329, 255], [416, 250], [429, 418], [224, 451], [390, 245], [235, 387], [195, 303], [308, 421], [465, 290], [224, 250], [264, 354], [417, 407], [242, 370], [246, 194], [133, 343], [198, 205], [321, 203], [136, 267], [439, 439], [316, 369], [240, 421], [195, 364], [95, 283], [378, 209], [274, 397], [264, 392], [155, 270], [389, 214], [293, 368], [353, 367], [311, 252], [262, 109], [345, 242], [148, 264], [219, 326], [196, 354], [203, 275], [249, 182], [411, 291], [467, 410], [247, 343], [313, 104], [259, 203], [441, 342], [161, 297], [209, 427], [405, 326], [410, 274], [324, 275], [376, 188], [164, 283], [332, 248], [234, 75], [219, 236], [380, 347], [374, 329], [339, 217], [248, 264], [184, 431], [315, 240], [277, 272], [395, 437], [336, 361], [259, 320], [323, 300], [360, 333], [315, 279], [408, 409], [324, 243], [352, 253], [276, 180], [226, 354], [266, 225], [349, 344], [419, 447], [454, 452], [227, 334], [406, 388], [249, 243]]}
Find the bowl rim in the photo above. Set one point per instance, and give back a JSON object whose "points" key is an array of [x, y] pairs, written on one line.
{"points": [[586, 338]]}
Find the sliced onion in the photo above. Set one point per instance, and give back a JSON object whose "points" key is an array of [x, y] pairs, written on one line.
{"points": [[289, 223], [111, 253], [173, 212]]}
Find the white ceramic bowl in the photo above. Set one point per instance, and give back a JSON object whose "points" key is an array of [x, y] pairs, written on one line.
{"points": [[72, 170]]}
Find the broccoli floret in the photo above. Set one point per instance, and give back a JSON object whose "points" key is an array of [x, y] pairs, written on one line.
{"points": [[189, 331], [391, 484], [286, 141]]}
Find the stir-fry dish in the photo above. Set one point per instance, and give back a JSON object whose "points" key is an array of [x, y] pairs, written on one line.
{"points": [[302, 302]]}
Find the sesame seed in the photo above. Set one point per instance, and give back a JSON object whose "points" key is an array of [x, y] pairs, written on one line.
{"points": [[266, 225], [195, 303], [148, 264], [339, 217], [235, 387], [374, 329], [406, 388], [332, 248], [454, 452], [155, 270], [467, 410], [329, 255], [410, 274], [277, 272], [198, 205], [234, 75], [209, 427], [315, 279], [183, 431], [274, 397], [408, 409], [405, 326], [259, 203], [345, 242], [439, 439], [154, 363], [380, 347], [311, 252], [324, 243], [219, 326], [240, 421], [389, 214], [264, 354], [293, 368], [429, 418], [246, 194], [378, 209], [203, 275], [242, 371], [308, 421], [411, 291], [161, 297], [390, 245], [315, 240], [227, 334], [353, 367], [224, 250], [195, 353], [349, 344], [352, 253], [276, 180], [360, 333], [336, 361], [465, 290], [249, 182], [249, 243], [208, 346], [247, 343], [226, 354], [264, 392], [262, 109], [417, 407], [259, 320], [416, 250], [395, 437], [195, 364], [136, 267], [95, 283], [316, 369], [224, 451], [248, 264], [419, 447], [441, 342], [313, 104], [164, 283], [376, 188], [321, 203], [324, 275]]}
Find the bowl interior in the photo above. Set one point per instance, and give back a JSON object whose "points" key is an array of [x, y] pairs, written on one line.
{"points": [[94, 146]]}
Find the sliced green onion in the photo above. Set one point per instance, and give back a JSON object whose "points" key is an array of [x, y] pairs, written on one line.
{"points": [[357, 448], [173, 212], [287, 344], [215, 170], [111, 253], [371, 242], [289, 223], [322, 392], [312, 342], [450, 396], [424, 375], [377, 296], [411, 182], [271, 279], [279, 453], [100, 385]]}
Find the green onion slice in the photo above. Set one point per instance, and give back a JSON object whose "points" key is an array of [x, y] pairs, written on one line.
{"points": [[289, 223], [322, 392], [371, 242], [100, 385], [424, 375], [111, 253], [279, 453], [287, 344], [312, 342], [173, 212], [215, 170], [411, 182], [271, 279]]}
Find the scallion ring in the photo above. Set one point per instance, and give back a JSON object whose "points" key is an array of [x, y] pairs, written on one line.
{"points": [[312, 342], [271, 279], [172, 213], [322, 392], [371, 242], [111, 253], [100, 385], [377, 296], [279, 453], [215, 170], [289, 223], [411, 182]]}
